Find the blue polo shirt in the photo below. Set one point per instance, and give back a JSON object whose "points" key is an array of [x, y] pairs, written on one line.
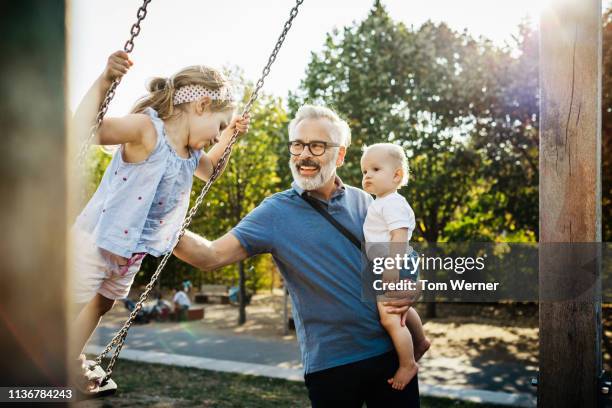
{"points": [[322, 271]]}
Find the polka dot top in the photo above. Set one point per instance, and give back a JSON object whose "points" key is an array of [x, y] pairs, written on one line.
{"points": [[139, 207]]}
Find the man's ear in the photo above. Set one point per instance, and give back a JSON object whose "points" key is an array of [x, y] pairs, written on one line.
{"points": [[341, 154], [203, 105]]}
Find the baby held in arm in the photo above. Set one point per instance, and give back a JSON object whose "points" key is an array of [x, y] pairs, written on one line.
{"points": [[390, 221]]}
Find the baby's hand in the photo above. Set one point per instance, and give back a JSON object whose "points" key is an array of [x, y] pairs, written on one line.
{"points": [[238, 123], [117, 66]]}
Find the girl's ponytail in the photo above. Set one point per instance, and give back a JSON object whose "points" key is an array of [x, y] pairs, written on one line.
{"points": [[161, 90], [159, 98]]}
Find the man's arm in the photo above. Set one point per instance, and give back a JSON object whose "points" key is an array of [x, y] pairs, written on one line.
{"points": [[209, 255]]}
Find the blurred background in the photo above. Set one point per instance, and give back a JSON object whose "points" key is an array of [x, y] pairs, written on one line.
{"points": [[454, 83]]}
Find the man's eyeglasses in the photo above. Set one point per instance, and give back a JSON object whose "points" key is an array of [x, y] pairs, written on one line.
{"points": [[317, 148]]}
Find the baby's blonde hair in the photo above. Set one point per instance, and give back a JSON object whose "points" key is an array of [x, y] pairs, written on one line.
{"points": [[396, 154], [161, 90]]}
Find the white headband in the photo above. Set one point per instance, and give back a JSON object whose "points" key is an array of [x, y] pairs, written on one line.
{"points": [[190, 93]]}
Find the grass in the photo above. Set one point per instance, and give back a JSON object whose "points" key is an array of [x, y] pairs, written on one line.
{"points": [[155, 385]]}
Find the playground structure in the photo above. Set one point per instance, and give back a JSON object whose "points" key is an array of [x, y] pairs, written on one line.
{"points": [[570, 198]]}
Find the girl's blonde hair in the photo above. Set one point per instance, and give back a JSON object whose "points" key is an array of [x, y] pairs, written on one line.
{"points": [[161, 91]]}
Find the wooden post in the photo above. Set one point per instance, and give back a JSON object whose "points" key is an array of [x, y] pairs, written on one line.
{"points": [[33, 187], [570, 202]]}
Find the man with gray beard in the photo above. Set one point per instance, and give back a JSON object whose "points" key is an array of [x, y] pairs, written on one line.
{"points": [[347, 355]]}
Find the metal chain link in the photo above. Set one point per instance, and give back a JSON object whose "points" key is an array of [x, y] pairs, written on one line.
{"points": [[110, 94], [120, 337]]}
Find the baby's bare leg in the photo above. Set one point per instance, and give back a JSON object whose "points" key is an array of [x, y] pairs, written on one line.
{"points": [[421, 342], [402, 341]]}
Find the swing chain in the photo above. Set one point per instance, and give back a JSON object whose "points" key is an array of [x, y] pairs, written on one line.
{"points": [[135, 30], [110, 94], [120, 337]]}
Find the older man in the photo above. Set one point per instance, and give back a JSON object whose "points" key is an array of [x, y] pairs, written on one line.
{"points": [[347, 355]]}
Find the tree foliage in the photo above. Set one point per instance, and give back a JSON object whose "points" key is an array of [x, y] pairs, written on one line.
{"points": [[433, 91]]}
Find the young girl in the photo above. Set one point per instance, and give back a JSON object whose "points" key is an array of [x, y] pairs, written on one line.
{"points": [[389, 223], [143, 197]]}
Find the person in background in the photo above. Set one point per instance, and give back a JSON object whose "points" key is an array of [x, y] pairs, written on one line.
{"points": [[187, 286], [181, 303]]}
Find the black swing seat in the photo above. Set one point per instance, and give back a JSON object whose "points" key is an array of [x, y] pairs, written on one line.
{"points": [[107, 387]]}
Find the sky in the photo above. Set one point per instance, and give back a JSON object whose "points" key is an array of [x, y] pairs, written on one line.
{"points": [[242, 33]]}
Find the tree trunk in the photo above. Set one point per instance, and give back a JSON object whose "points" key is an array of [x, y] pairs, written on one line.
{"points": [[241, 294], [429, 297], [285, 310], [431, 312]]}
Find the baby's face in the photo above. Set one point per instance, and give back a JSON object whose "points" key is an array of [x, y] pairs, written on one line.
{"points": [[381, 175]]}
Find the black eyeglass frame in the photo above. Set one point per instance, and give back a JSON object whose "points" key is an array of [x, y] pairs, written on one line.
{"points": [[307, 145]]}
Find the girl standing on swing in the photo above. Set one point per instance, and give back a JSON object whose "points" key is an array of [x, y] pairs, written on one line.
{"points": [[143, 197]]}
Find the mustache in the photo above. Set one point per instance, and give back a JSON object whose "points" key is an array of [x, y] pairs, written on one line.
{"points": [[307, 162]]}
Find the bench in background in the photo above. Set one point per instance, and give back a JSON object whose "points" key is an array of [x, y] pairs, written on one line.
{"points": [[210, 293]]}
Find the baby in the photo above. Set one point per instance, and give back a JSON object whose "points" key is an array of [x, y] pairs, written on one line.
{"points": [[390, 221]]}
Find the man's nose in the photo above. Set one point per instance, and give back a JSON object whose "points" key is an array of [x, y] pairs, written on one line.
{"points": [[306, 152]]}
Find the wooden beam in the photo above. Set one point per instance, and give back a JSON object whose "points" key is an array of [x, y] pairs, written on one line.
{"points": [[570, 203], [33, 191]]}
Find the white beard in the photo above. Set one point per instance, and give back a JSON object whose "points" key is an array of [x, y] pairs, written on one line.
{"points": [[317, 181]]}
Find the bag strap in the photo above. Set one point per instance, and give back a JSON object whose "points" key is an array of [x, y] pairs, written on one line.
{"points": [[318, 206]]}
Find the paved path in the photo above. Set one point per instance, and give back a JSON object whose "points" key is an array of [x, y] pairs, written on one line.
{"points": [[191, 339]]}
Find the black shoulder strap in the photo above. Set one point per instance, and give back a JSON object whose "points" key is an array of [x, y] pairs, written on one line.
{"points": [[316, 204]]}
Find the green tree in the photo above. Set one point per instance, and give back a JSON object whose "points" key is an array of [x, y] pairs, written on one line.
{"points": [[507, 135], [423, 89], [97, 161], [249, 178], [431, 90]]}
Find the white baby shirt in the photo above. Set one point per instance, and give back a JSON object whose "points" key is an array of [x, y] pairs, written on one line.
{"points": [[385, 215]]}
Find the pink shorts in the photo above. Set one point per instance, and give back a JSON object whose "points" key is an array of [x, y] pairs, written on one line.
{"points": [[96, 271]]}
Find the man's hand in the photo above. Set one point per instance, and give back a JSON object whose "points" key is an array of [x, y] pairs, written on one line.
{"points": [[404, 301]]}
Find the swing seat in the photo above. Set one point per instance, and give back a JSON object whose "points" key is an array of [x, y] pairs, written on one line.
{"points": [[106, 388]]}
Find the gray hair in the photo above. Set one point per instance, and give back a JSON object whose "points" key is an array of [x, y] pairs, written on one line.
{"points": [[341, 132]]}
